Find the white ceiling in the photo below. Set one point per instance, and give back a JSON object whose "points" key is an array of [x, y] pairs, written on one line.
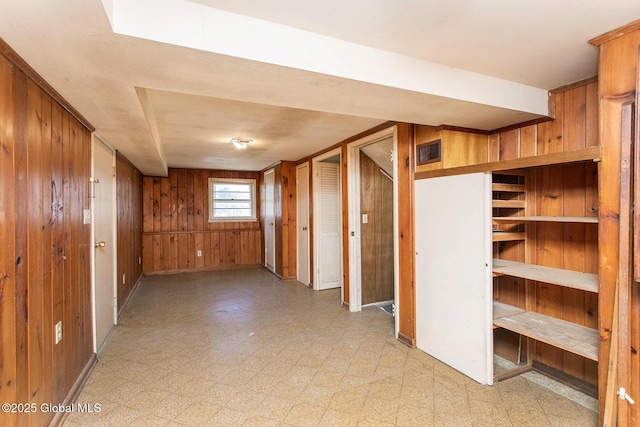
{"points": [[170, 82]]}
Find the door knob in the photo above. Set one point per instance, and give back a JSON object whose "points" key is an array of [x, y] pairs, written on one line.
{"points": [[100, 244], [304, 228]]}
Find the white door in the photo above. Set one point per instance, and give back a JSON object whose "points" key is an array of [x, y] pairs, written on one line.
{"points": [[453, 272], [105, 309], [302, 198], [269, 221], [328, 219]]}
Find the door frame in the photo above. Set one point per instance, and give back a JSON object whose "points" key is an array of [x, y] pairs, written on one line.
{"points": [[266, 226], [96, 139], [308, 278], [316, 215], [353, 197]]}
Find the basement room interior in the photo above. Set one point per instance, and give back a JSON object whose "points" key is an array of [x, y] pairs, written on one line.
{"points": [[216, 212]]}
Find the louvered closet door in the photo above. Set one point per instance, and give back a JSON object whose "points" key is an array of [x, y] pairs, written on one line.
{"points": [[453, 272], [328, 223]]}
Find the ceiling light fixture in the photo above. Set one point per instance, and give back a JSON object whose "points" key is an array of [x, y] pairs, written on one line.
{"points": [[241, 143]]}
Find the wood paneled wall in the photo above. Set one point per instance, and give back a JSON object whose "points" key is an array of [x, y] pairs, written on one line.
{"points": [[575, 127], [176, 226], [376, 236], [129, 208], [458, 148], [45, 251], [285, 220]]}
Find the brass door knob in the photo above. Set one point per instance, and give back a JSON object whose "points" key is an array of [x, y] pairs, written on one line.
{"points": [[100, 244]]}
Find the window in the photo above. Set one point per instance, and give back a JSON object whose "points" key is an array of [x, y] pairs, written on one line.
{"points": [[232, 199]]}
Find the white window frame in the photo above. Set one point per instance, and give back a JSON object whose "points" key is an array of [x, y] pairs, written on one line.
{"points": [[252, 182]]}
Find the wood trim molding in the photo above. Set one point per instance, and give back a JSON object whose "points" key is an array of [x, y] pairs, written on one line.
{"points": [[128, 299], [406, 340], [17, 60], [361, 135], [614, 34], [77, 387], [574, 85], [462, 129], [574, 156], [194, 270]]}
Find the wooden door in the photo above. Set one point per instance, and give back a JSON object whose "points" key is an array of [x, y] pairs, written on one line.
{"points": [[328, 223], [302, 197], [105, 244], [453, 272], [269, 221]]}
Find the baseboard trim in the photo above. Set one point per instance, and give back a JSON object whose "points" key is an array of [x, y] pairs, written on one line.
{"points": [[128, 299], [406, 340], [571, 381], [345, 305], [77, 387], [195, 270]]}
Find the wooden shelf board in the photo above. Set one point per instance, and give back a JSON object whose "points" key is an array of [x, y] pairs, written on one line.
{"points": [[559, 333], [555, 276], [508, 188], [508, 203], [563, 219], [502, 310], [574, 156], [504, 263], [507, 236]]}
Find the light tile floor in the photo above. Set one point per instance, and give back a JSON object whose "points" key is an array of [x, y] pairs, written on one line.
{"points": [[239, 347]]}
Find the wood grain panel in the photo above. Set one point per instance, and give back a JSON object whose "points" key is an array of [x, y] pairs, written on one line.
{"points": [[8, 320], [618, 74], [406, 249], [376, 236], [44, 164], [129, 204], [458, 148], [176, 226]]}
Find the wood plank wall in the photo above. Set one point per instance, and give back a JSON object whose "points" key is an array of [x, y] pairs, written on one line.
{"points": [[285, 219], [129, 232], [560, 190], [376, 236], [458, 148], [45, 251], [175, 225]]}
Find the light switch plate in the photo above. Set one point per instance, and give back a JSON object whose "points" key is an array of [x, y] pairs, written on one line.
{"points": [[86, 217], [365, 219]]}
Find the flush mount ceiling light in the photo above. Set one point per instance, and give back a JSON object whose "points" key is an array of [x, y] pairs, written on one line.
{"points": [[241, 143]]}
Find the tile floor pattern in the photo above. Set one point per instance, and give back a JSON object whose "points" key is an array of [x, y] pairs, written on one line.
{"points": [[239, 347]]}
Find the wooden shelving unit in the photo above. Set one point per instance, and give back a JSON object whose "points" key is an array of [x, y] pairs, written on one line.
{"points": [[510, 223]]}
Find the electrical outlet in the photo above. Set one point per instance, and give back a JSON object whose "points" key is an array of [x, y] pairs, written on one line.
{"points": [[365, 218], [58, 332], [199, 253]]}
